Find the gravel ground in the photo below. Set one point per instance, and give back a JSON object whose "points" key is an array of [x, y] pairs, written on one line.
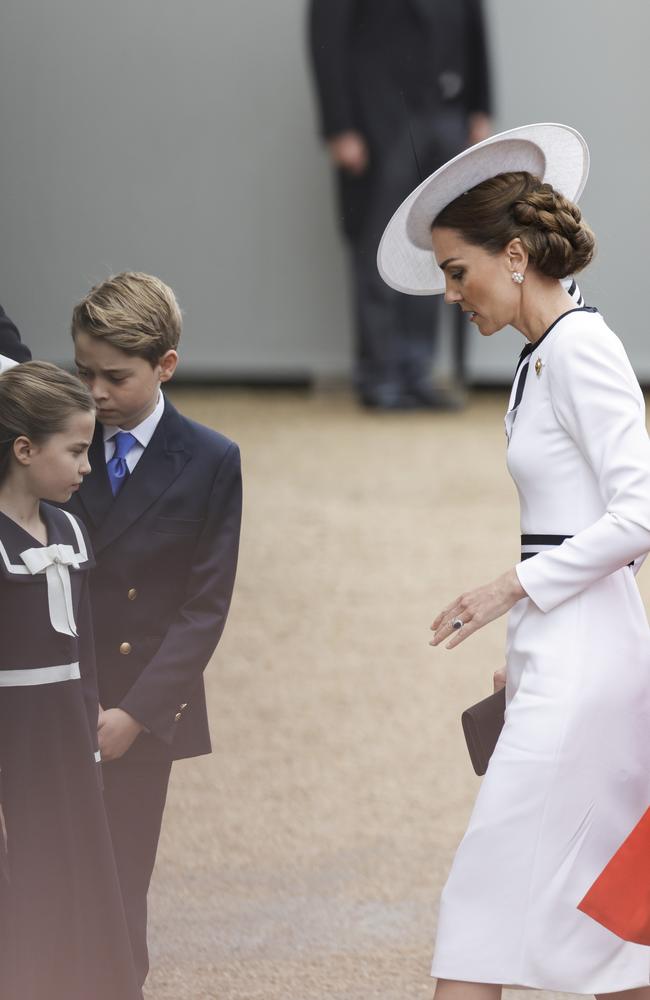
{"points": [[304, 858]]}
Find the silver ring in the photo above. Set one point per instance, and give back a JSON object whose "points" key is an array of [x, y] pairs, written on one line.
{"points": [[457, 623]]}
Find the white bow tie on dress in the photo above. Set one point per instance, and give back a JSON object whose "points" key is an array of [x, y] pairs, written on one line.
{"points": [[54, 560]]}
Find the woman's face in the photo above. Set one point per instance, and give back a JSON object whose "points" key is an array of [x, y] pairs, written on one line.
{"points": [[478, 281]]}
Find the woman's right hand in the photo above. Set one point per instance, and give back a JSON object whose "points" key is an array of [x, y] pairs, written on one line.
{"points": [[499, 679]]}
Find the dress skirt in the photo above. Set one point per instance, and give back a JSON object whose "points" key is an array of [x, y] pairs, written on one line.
{"points": [[64, 932], [568, 780]]}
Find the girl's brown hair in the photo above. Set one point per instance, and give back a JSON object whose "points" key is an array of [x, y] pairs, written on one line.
{"points": [[36, 401], [518, 204]]}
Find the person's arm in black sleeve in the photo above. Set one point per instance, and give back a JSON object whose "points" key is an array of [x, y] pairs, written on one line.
{"points": [[331, 24], [10, 343], [479, 92]]}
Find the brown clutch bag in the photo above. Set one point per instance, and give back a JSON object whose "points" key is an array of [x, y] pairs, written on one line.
{"points": [[482, 725]]}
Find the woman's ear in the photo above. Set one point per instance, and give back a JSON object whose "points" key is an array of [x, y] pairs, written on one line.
{"points": [[23, 450], [517, 256]]}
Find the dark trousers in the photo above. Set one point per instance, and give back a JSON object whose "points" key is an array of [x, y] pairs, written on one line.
{"points": [[396, 333], [135, 795]]}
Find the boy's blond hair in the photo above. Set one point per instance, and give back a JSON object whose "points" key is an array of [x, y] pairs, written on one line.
{"points": [[135, 312]]}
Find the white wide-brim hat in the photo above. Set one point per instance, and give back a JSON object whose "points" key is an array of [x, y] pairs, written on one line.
{"points": [[557, 154]]}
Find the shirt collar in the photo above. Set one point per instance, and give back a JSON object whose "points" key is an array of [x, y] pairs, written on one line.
{"points": [[144, 431]]}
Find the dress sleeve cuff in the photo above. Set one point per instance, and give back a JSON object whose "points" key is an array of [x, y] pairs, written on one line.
{"points": [[527, 578]]}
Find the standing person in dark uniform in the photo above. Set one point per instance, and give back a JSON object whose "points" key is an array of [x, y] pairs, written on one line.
{"points": [[10, 343], [392, 78], [63, 932]]}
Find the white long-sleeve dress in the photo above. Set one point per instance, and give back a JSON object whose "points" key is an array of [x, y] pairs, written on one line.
{"points": [[570, 775]]}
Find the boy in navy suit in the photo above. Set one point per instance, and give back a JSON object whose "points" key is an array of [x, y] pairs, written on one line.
{"points": [[162, 506]]}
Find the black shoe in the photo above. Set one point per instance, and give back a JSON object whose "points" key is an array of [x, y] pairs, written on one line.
{"points": [[435, 397], [388, 399]]}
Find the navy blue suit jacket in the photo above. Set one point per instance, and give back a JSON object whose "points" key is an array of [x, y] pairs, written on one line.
{"points": [[166, 554]]}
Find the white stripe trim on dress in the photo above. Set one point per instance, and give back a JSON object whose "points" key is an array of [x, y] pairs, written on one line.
{"points": [[82, 554], [33, 676]]}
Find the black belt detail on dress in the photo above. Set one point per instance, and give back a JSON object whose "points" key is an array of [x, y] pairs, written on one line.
{"points": [[541, 540], [546, 540]]}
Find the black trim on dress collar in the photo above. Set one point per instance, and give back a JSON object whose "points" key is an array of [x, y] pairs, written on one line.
{"points": [[529, 348]]}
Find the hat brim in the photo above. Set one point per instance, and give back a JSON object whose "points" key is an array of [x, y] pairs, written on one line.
{"points": [[557, 154]]}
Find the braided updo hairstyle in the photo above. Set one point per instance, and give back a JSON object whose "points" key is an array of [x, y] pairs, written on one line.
{"points": [[518, 204]]}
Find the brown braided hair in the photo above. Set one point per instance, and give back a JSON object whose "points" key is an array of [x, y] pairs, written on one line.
{"points": [[518, 204]]}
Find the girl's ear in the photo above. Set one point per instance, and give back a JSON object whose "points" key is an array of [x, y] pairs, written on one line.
{"points": [[23, 450]]}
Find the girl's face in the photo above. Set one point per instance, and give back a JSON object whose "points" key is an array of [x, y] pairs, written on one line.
{"points": [[55, 468], [478, 281]]}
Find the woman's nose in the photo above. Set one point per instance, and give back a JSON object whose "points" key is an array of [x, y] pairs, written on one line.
{"points": [[452, 296]]}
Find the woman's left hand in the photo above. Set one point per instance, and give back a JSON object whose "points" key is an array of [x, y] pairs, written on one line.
{"points": [[476, 608]]}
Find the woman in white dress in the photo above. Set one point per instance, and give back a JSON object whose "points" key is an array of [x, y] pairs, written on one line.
{"points": [[570, 775]]}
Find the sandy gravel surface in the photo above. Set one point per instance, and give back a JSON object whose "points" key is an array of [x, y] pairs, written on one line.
{"points": [[304, 858]]}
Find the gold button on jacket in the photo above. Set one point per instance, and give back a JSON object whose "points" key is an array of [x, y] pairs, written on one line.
{"points": [[125, 648], [132, 594], [177, 717]]}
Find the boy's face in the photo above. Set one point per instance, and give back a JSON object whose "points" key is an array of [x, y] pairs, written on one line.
{"points": [[125, 387]]}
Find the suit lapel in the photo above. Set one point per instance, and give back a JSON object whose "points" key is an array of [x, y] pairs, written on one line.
{"points": [[95, 495], [161, 463]]}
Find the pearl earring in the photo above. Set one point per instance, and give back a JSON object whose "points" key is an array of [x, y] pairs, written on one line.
{"points": [[518, 277]]}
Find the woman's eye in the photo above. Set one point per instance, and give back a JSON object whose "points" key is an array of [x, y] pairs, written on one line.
{"points": [[457, 275]]}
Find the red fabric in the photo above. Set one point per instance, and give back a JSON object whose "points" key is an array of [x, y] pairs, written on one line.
{"points": [[620, 897]]}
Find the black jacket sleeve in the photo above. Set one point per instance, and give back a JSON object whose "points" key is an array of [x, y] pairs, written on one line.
{"points": [[331, 24], [479, 96], [10, 343]]}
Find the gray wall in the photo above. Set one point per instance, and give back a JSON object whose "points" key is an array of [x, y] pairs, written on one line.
{"points": [[179, 138]]}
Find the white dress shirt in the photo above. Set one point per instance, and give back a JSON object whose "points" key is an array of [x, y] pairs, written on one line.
{"points": [[143, 434]]}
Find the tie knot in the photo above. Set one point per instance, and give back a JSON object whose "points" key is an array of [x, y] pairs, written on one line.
{"points": [[124, 441]]}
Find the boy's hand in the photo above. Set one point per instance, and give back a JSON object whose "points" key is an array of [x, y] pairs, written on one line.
{"points": [[499, 679], [116, 731]]}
